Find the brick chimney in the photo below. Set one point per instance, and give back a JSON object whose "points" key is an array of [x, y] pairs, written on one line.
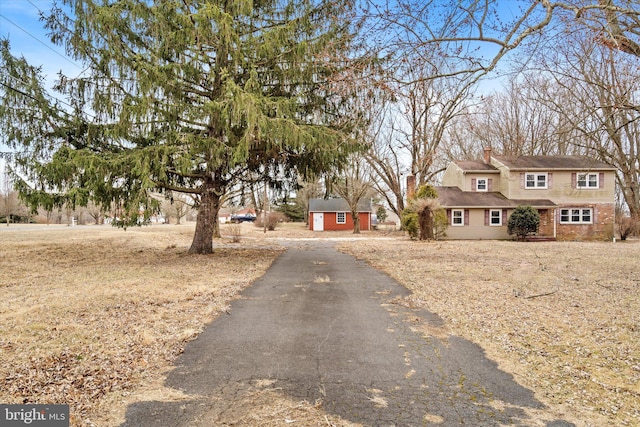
{"points": [[487, 155], [411, 186]]}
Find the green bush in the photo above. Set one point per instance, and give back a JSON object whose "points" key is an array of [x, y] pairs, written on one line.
{"points": [[410, 222], [423, 218], [440, 224], [523, 221], [426, 192]]}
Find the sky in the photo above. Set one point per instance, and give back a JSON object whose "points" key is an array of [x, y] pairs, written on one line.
{"points": [[20, 24]]}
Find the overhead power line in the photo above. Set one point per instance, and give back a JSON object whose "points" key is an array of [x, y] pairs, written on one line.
{"points": [[23, 93], [40, 41]]}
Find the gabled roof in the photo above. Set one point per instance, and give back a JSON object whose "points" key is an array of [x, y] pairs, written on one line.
{"points": [[578, 163], [473, 166], [454, 197], [337, 205]]}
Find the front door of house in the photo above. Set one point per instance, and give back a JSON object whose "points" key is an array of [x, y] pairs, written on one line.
{"points": [[318, 221]]}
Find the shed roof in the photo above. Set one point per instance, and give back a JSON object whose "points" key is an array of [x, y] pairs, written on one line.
{"points": [[337, 205], [454, 197], [580, 163]]}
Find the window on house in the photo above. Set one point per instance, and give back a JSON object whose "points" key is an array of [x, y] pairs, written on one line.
{"points": [[587, 180], [341, 218], [495, 217], [481, 184], [536, 180], [457, 217], [576, 216]]}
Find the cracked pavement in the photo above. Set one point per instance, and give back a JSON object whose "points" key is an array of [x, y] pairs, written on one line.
{"points": [[321, 326]]}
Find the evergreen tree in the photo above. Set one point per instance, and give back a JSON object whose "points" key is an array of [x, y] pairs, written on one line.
{"points": [[523, 222], [188, 96]]}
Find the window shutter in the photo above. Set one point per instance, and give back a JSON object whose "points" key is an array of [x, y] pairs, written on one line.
{"points": [[601, 180], [486, 217], [490, 185], [594, 219], [574, 180], [473, 184], [466, 217], [449, 216], [550, 180], [522, 178], [504, 217]]}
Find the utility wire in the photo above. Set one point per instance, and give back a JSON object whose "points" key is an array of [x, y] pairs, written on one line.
{"points": [[23, 93], [40, 41], [30, 96], [41, 12]]}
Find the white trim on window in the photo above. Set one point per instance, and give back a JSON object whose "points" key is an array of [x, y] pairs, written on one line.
{"points": [[482, 184], [588, 180], [341, 217], [576, 216], [536, 180], [495, 217], [457, 217]]}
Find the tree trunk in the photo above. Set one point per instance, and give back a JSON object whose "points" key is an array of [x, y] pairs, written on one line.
{"points": [[206, 222], [356, 222], [426, 224], [216, 228]]}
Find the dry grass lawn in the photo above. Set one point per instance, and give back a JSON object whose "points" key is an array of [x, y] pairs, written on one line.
{"points": [[94, 317], [563, 317], [89, 315]]}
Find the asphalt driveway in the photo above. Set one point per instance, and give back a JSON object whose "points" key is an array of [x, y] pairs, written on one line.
{"points": [[323, 326]]}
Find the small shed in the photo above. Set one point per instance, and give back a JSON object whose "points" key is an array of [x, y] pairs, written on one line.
{"points": [[335, 214]]}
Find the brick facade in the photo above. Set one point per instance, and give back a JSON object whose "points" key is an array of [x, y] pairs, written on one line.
{"points": [[602, 227], [545, 228]]}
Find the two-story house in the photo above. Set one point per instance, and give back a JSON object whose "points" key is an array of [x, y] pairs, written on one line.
{"points": [[573, 194]]}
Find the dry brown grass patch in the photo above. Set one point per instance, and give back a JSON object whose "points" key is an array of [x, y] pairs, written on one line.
{"points": [[89, 314], [563, 317]]}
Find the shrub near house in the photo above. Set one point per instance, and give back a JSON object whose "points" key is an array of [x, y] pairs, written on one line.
{"points": [[523, 222]]}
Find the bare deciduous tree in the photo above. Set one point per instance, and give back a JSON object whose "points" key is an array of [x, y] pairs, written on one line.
{"points": [[312, 188], [514, 122], [96, 212], [476, 35], [595, 91], [10, 205], [407, 139], [176, 207], [353, 184], [387, 168], [430, 107]]}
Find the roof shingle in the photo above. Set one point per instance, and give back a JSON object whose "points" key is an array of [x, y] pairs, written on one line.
{"points": [[453, 197], [337, 205], [551, 162], [467, 165]]}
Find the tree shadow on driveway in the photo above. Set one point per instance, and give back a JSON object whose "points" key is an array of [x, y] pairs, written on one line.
{"points": [[322, 327]]}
